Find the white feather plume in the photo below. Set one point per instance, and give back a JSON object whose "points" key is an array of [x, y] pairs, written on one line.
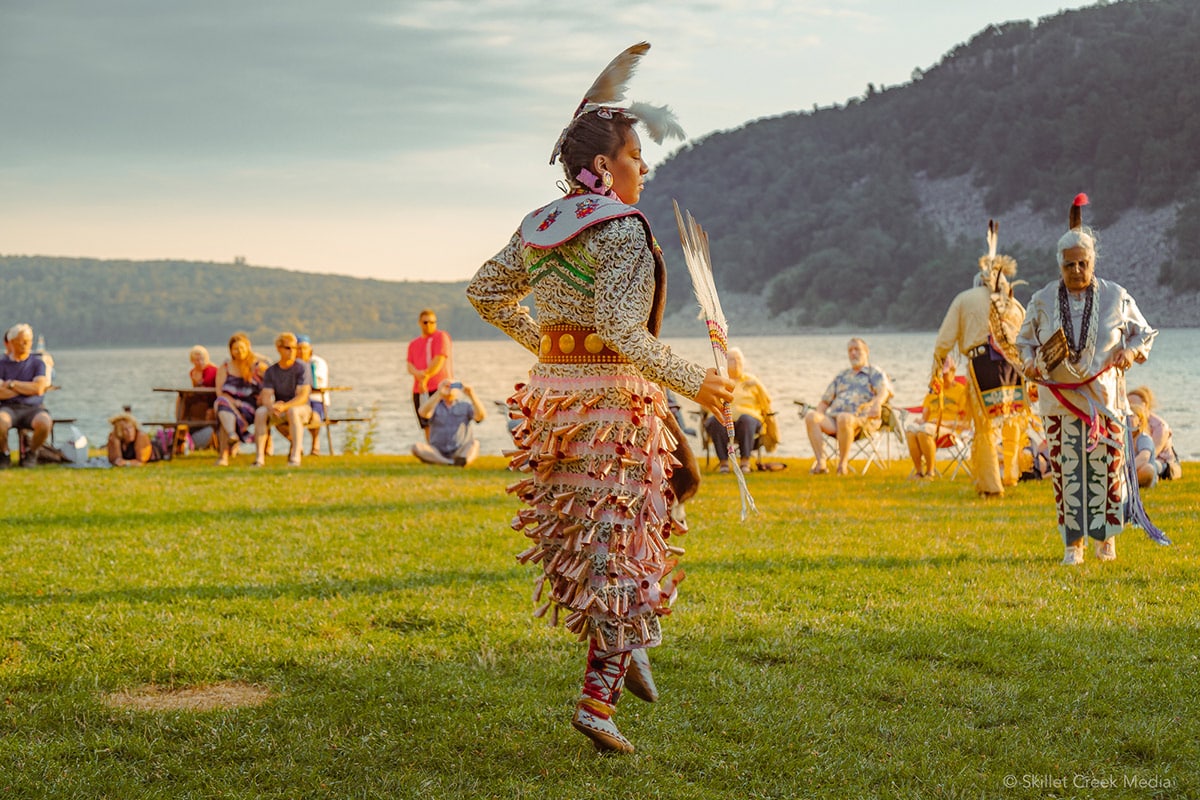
{"points": [[992, 264], [699, 263], [660, 121]]}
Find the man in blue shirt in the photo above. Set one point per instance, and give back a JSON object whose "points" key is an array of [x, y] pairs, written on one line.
{"points": [[23, 381], [852, 404], [283, 401], [450, 416]]}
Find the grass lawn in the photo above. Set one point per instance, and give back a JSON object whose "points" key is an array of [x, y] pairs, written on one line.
{"points": [[861, 637]]}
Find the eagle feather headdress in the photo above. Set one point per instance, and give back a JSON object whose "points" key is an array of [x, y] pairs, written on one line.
{"points": [[608, 90]]}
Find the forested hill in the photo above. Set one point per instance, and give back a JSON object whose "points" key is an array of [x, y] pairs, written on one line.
{"points": [[874, 213], [77, 302]]}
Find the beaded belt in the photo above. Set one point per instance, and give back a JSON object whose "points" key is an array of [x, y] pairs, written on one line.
{"points": [[978, 350], [573, 344]]}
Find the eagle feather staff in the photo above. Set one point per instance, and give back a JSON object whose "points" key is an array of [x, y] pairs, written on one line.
{"points": [[694, 240]]}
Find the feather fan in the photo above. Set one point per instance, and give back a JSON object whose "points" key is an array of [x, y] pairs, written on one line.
{"points": [[699, 263]]}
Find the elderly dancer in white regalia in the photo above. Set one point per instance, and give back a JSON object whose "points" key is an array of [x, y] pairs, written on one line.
{"points": [[599, 448], [1080, 335], [983, 322]]}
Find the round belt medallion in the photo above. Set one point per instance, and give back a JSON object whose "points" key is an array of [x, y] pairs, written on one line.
{"points": [[566, 343], [593, 343]]}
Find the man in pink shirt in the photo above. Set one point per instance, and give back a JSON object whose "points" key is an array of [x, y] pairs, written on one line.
{"points": [[430, 361]]}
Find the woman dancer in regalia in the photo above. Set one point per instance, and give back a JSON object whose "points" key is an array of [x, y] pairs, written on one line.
{"points": [[1079, 336], [596, 442]]}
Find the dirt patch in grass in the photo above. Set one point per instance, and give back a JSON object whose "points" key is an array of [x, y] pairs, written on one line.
{"points": [[206, 697]]}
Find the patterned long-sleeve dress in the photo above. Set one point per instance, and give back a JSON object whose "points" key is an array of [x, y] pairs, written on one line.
{"points": [[593, 446]]}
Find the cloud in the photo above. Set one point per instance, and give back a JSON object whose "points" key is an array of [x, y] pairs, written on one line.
{"points": [[426, 121], [144, 78]]}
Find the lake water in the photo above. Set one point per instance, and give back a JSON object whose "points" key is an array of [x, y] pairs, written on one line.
{"points": [[97, 383]]}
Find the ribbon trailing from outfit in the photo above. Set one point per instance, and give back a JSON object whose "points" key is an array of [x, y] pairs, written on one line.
{"points": [[941, 393], [1133, 503], [699, 263]]}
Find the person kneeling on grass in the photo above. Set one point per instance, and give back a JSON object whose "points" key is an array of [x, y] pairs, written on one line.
{"points": [[283, 401], [451, 441]]}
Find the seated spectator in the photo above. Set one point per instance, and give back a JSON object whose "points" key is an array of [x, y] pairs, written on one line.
{"points": [[941, 413], [239, 380], [318, 400], [852, 405], [451, 441], [24, 379], [199, 406], [283, 402], [1144, 460], [1169, 467], [203, 371], [751, 406], [128, 444]]}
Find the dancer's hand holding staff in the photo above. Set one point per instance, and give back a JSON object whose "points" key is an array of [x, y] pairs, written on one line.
{"points": [[699, 264]]}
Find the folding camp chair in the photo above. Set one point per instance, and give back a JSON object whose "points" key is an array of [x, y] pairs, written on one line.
{"points": [[954, 441], [957, 446], [707, 443], [866, 447]]}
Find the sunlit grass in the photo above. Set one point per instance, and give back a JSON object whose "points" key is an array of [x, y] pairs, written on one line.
{"points": [[861, 637]]}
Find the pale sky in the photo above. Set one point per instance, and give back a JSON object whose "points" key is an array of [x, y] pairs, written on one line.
{"points": [[392, 139]]}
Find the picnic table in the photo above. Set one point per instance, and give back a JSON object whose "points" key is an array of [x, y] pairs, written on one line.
{"points": [[183, 391]]}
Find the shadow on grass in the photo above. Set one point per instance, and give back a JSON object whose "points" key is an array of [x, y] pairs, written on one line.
{"points": [[294, 590], [824, 563], [166, 519]]}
